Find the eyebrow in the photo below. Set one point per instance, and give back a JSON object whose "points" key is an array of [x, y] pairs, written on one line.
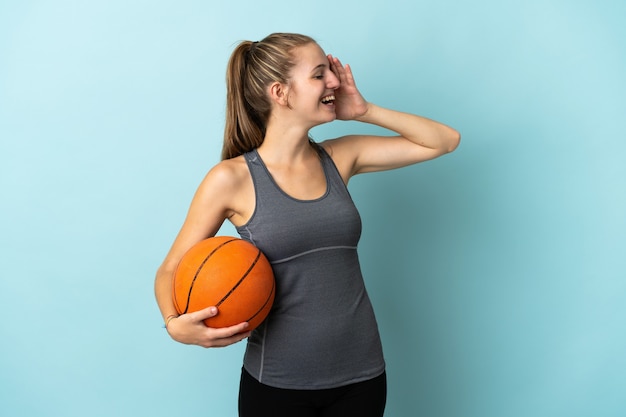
{"points": [[318, 67]]}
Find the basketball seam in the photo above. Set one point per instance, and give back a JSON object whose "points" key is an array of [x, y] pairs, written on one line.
{"points": [[198, 273], [265, 303], [258, 255]]}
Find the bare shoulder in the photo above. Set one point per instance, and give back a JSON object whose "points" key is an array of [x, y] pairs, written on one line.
{"points": [[228, 185], [343, 152], [227, 174], [341, 145]]}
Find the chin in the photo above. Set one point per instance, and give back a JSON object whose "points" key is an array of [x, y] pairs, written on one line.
{"points": [[329, 119], [332, 116]]}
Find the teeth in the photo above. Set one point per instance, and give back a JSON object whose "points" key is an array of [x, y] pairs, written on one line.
{"points": [[328, 99]]}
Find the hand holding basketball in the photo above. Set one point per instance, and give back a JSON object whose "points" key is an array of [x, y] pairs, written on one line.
{"points": [[191, 329]]}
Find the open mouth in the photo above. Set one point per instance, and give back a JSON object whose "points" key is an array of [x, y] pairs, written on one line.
{"points": [[328, 100]]}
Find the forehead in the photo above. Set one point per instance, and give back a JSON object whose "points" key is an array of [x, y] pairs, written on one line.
{"points": [[309, 56]]}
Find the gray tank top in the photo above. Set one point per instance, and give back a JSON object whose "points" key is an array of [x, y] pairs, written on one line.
{"points": [[321, 332]]}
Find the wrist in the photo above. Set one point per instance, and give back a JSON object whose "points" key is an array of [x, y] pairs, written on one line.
{"points": [[366, 117], [168, 319]]}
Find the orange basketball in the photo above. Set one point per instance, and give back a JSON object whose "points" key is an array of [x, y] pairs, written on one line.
{"points": [[229, 273]]}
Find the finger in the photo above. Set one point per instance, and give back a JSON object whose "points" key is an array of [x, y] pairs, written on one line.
{"points": [[226, 332], [343, 72], [338, 63], [203, 314], [349, 75], [228, 340], [333, 65]]}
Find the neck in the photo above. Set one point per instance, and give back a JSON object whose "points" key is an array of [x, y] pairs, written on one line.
{"points": [[285, 143]]}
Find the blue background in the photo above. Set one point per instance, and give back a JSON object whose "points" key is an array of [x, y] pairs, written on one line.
{"points": [[497, 272]]}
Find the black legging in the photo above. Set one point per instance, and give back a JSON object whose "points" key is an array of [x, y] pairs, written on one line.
{"points": [[363, 399]]}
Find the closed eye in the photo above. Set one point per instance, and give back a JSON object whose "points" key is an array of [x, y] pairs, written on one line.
{"points": [[319, 71]]}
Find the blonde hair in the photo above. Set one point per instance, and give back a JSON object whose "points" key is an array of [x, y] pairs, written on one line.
{"points": [[252, 67]]}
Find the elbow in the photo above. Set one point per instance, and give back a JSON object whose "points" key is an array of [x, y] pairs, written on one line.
{"points": [[453, 140], [165, 271]]}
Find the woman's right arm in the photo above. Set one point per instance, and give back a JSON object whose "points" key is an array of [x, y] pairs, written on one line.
{"points": [[208, 210]]}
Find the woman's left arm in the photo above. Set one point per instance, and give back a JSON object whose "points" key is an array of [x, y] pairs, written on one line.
{"points": [[419, 139]]}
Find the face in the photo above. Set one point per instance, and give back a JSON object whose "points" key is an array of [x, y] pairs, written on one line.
{"points": [[312, 85]]}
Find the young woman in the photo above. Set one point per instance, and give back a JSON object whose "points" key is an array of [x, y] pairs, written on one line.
{"points": [[318, 353]]}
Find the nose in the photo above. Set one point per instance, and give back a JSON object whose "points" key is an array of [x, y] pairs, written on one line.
{"points": [[332, 82]]}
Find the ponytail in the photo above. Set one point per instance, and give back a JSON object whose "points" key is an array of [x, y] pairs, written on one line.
{"points": [[242, 132]]}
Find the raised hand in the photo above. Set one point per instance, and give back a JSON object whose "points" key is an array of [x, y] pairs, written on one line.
{"points": [[349, 103]]}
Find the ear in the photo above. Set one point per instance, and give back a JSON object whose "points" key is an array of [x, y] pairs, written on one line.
{"points": [[279, 93]]}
